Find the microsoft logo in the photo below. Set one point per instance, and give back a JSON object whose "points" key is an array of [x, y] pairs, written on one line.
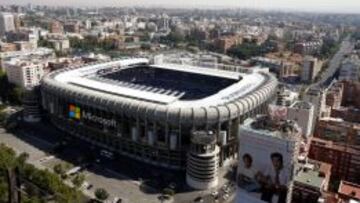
{"points": [[74, 112]]}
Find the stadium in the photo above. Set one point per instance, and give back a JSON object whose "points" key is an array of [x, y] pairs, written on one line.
{"points": [[148, 112]]}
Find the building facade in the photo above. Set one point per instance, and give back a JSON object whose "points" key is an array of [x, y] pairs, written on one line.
{"points": [[149, 122], [345, 160], [7, 23], [23, 73], [267, 147]]}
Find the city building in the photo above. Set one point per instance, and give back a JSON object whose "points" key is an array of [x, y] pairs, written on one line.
{"points": [[351, 93], [25, 45], [311, 182], [350, 114], [226, 42], [31, 104], [38, 53], [344, 159], [311, 68], [60, 44], [334, 95], [24, 73], [308, 48], [7, 23], [5, 47], [286, 97], [338, 130], [56, 27], [316, 96], [350, 69], [73, 27], [349, 192], [303, 113], [267, 147], [148, 112]]}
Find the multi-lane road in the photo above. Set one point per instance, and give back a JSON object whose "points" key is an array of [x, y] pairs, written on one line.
{"points": [[334, 64]]}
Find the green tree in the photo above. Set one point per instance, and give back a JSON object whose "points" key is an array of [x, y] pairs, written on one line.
{"points": [[78, 180], [168, 191], [246, 51], [41, 180], [59, 169], [101, 194]]}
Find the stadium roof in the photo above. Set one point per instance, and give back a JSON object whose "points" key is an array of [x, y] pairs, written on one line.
{"points": [[85, 77]]}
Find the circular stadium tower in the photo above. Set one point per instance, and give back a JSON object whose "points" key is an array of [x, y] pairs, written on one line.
{"points": [[203, 161], [147, 112]]}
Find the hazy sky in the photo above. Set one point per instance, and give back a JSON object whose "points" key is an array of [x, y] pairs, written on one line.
{"points": [[347, 6]]}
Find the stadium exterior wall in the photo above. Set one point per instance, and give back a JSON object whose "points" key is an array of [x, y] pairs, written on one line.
{"points": [[137, 122]]}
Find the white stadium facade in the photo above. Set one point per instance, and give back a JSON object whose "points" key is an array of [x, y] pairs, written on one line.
{"points": [[148, 112]]}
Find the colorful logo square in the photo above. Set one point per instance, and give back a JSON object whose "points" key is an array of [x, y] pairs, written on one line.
{"points": [[74, 112]]}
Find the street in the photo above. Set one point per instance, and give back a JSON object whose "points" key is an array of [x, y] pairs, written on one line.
{"points": [[334, 64]]}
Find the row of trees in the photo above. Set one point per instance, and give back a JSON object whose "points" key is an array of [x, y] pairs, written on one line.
{"points": [[37, 185], [247, 50], [92, 44], [328, 49]]}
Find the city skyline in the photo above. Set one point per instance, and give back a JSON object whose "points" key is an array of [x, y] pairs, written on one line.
{"points": [[334, 6]]}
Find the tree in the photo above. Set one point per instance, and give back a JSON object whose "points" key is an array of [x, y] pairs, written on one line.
{"points": [[59, 169], [101, 194], [78, 180], [169, 191], [33, 180], [246, 51]]}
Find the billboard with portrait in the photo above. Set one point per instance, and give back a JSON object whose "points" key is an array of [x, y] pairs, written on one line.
{"points": [[265, 168]]}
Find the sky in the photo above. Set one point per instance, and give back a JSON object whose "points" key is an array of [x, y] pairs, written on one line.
{"points": [[339, 6]]}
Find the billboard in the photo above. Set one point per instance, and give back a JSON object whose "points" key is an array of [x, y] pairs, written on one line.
{"points": [[265, 168], [76, 113]]}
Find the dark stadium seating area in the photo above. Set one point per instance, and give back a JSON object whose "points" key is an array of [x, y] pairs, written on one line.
{"points": [[194, 86]]}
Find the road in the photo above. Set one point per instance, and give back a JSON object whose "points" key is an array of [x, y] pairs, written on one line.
{"points": [[334, 64], [116, 184]]}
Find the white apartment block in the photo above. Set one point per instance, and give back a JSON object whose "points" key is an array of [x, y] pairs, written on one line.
{"points": [[24, 74]]}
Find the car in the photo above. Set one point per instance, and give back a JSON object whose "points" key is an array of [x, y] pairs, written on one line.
{"points": [[225, 197], [198, 200], [172, 186], [89, 187], [214, 193], [117, 200], [107, 154]]}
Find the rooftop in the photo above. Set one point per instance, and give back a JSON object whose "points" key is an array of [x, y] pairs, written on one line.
{"points": [[349, 189], [178, 85], [302, 105], [284, 129], [313, 174]]}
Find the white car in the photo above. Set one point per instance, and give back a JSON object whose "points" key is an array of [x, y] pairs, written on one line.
{"points": [[117, 200], [214, 193]]}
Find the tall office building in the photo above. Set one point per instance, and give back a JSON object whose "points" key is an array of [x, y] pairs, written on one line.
{"points": [[311, 68], [268, 152], [7, 23]]}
